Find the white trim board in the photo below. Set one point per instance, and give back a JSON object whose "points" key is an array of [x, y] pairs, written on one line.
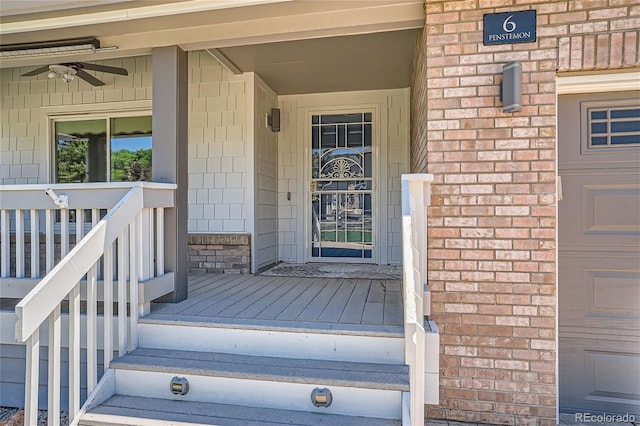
{"points": [[610, 82]]}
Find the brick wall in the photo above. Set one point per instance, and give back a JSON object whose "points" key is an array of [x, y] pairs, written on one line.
{"points": [[492, 252], [219, 253]]}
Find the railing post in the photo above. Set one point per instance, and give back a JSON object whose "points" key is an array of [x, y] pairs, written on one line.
{"points": [[415, 199]]}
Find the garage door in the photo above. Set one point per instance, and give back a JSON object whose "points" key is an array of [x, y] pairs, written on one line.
{"points": [[599, 253]]}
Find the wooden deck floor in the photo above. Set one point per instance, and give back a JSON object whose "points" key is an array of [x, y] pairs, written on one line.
{"points": [[289, 300]]}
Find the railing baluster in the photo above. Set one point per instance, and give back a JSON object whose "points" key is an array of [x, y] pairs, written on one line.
{"points": [[5, 242], [35, 244], [32, 379], [122, 297], [64, 232], [53, 415], [159, 241], [19, 243], [49, 240], [74, 351], [151, 245], [144, 249], [92, 328], [135, 243], [108, 306]]}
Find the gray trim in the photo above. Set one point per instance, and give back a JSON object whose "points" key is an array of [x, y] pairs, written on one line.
{"points": [[170, 153]]}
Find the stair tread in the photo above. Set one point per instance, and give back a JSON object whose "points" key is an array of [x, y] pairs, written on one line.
{"points": [[131, 410], [392, 331], [336, 373]]}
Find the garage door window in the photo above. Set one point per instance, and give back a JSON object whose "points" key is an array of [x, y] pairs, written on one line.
{"points": [[613, 126]]}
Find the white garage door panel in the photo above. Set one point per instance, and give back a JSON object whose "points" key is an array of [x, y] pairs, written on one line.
{"points": [[599, 253]]}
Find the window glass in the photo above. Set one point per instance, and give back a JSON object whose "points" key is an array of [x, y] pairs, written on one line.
{"points": [[130, 149], [81, 151], [101, 150]]}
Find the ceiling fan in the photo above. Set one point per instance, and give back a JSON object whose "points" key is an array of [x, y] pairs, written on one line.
{"points": [[68, 71]]}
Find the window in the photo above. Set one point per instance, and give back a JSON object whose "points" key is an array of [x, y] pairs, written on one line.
{"points": [[611, 127], [102, 149]]}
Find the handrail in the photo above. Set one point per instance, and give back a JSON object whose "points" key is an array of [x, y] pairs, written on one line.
{"points": [[33, 310], [415, 199], [124, 242]]}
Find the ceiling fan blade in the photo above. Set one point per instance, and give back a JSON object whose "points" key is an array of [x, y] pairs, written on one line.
{"points": [[36, 71], [89, 78], [103, 68]]}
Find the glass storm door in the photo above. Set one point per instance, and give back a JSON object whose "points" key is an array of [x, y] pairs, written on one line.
{"points": [[341, 187]]}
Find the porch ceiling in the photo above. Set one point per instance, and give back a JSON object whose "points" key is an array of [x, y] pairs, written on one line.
{"points": [[331, 64]]}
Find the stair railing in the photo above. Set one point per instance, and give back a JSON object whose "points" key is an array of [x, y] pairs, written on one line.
{"points": [[416, 196], [122, 243]]}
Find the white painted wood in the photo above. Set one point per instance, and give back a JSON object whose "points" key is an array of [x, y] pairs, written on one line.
{"points": [[35, 307], [160, 242], [103, 391], [609, 82], [92, 328], [32, 379], [432, 364], [107, 310], [64, 232], [19, 243], [49, 240], [287, 343], [406, 413], [146, 246], [122, 301], [135, 263], [35, 243], [267, 394], [74, 351], [53, 380], [5, 242], [415, 200]]}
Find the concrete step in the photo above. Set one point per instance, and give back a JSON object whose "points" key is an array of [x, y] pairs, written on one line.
{"points": [[358, 389], [131, 410], [338, 342]]}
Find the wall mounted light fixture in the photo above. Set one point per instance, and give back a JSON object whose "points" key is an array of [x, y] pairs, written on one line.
{"points": [[511, 87], [273, 120]]}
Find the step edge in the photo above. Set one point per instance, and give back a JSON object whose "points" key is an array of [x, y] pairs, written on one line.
{"points": [[360, 384], [390, 331]]}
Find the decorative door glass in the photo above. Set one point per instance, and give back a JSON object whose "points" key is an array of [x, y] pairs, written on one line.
{"points": [[341, 186]]}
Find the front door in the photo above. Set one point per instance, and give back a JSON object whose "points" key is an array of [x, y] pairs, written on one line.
{"points": [[342, 187]]}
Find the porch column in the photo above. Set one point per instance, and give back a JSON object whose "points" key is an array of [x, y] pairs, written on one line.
{"points": [[170, 155]]}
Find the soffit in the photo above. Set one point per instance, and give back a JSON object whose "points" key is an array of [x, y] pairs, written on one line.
{"points": [[333, 64]]}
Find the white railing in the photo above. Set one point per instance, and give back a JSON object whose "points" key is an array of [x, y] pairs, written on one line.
{"points": [[126, 245], [420, 345]]}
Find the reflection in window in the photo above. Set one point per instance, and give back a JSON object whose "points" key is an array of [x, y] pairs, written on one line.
{"points": [[130, 149], [101, 150]]}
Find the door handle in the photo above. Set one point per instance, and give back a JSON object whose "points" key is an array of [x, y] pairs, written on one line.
{"points": [[559, 189]]}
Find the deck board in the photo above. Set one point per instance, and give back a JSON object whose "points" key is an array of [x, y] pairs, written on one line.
{"points": [[353, 302]]}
